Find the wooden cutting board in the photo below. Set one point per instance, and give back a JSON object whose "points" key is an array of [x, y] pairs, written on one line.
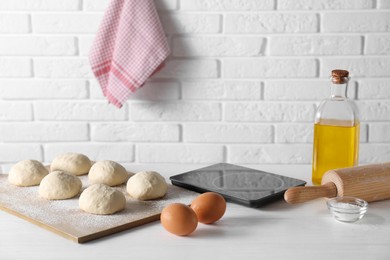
{"points": [[65, 218]]}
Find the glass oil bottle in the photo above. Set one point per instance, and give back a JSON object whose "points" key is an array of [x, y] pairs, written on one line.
{"points": [[336, 130]]}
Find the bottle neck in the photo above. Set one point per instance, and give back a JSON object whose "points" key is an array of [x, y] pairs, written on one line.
{"points": [[339, 91]]}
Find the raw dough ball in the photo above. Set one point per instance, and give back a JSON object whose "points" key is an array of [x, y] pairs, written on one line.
{"points": [[107, 172], [59, 185], [102, 199], [147, 186], [74, 163], [27, 173]]}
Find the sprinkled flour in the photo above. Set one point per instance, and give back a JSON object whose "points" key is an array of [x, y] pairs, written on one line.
{"points": [[67, 217]]}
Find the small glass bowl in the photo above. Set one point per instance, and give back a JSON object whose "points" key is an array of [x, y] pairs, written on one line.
{"points": [[347, 209]]}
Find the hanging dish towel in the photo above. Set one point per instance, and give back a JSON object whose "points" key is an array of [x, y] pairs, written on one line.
{"points": [[129, 47]]}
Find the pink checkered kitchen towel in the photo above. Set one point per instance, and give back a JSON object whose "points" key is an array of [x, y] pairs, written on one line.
{"points": [[129, 47]]}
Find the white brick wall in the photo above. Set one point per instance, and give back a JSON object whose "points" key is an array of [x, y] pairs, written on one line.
{"points": [[65, 68], [40, 5], [65, 23], [315, 45], [241, 84], [224, 46], [43, 132], [14, 23], [77, 111], [132, 132], [227, 133], [278, 22], [37, 46], [269, 68], [269, 112], [18, 89], [363, 22], [15, 67]]}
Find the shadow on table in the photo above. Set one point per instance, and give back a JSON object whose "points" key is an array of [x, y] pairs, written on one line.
{"points": [[372, 219]]}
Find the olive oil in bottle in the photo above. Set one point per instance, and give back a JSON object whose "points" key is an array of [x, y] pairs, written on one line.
{"points": [[336, 130]]}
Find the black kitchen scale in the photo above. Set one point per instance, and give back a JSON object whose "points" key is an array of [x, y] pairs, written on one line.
{"points": [[238, 184]]}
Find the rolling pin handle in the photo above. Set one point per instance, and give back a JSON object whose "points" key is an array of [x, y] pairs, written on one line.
{"points": [[302, 194]]}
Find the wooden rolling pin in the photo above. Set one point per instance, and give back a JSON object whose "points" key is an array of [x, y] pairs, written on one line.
{"points": [[368, 182]]}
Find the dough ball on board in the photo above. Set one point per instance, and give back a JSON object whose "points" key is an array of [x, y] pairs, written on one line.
{"points": [[59, 185], [147, 186], [74, 163], [102, 200], [27, 173], [107, 172]]}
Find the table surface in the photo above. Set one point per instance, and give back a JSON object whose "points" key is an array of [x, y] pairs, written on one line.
{"points": [[275, 231]]}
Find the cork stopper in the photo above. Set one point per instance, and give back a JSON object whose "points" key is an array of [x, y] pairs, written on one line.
{"points": [[340, 76]]}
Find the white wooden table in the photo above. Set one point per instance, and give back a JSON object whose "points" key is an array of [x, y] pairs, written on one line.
{"points": [[275, 231]]}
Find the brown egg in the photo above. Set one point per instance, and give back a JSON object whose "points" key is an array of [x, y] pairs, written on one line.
{"points": [[209, 207], [179, 219]]}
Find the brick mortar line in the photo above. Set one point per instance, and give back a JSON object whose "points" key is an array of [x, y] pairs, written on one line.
{"points": [[204, 11], [185, 101], [217, 123], [197, 34], [206, 58]]}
